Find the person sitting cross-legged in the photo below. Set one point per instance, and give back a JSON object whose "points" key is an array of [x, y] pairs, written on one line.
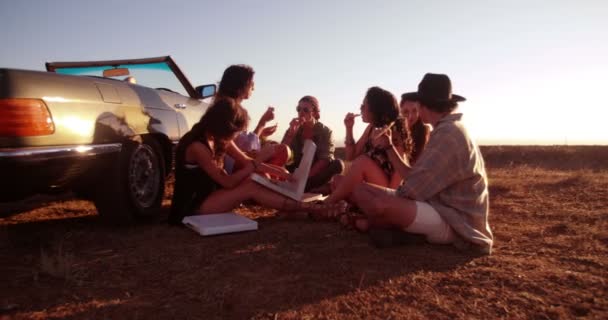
{"points": [[444, 196], [308, 126]]}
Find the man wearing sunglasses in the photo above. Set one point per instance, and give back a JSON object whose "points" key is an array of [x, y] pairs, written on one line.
{"points": [[308, 126]]}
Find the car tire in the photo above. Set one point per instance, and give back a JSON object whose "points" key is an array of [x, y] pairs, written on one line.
{"points": [[134, 187]]}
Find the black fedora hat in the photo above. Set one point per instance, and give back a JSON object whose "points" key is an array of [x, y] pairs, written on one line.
{"points": [[436, 88]]}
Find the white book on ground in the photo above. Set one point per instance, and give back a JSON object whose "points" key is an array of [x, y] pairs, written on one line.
{"points": [[293, 189], [219, 223]]}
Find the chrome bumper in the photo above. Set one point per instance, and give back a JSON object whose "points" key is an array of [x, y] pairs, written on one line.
{"points": [[58, 152]]}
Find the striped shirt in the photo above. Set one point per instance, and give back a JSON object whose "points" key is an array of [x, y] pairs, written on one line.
{"points": [[450, 175]]}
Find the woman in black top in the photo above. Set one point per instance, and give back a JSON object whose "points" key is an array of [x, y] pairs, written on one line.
{"points": [[192, 184], [202, 186]]}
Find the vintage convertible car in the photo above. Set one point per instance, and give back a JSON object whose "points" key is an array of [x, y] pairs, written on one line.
{"points": [[104, 129]]}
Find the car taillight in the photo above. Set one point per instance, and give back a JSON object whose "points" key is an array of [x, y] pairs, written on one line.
{"points": [[25, 117]]}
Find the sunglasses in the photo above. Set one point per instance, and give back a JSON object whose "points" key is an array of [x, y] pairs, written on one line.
{"points": [[305, 110]]}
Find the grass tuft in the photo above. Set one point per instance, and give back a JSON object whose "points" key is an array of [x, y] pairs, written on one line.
{"points": [[59, 264]]}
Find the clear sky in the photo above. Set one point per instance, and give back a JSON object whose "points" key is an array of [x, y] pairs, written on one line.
{"points": [[534, 72]]}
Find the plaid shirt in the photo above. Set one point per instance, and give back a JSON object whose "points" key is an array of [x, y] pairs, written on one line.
{"points": [[450, 175]]}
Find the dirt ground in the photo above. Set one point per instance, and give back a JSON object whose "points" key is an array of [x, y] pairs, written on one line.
{"points": [[549, 214]]}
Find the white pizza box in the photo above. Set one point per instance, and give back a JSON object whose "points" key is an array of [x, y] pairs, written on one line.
{"points": [[294, 188], [219, 223]]}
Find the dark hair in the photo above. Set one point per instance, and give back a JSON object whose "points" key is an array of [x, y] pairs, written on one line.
{"points": [[315, 105], [222, 119], [418, 131], [235, 81], [385, 110], [382, 105], [409, 96], [403, 136], [420, 134]]}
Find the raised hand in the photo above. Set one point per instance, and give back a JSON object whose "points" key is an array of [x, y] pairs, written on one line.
{"points": [[382, 136], [268, 115], [294, 125], [349, 120], [308, 125], [268, 131]]}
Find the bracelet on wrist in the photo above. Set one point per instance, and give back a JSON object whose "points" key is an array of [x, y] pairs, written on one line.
{"points": [[349, 142]]}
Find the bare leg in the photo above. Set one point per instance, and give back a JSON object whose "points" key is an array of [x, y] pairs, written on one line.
{"points": [[362, 169], [227, 199], [382, 207]]}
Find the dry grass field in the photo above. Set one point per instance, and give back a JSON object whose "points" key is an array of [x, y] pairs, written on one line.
{"points": [[549, 214]]}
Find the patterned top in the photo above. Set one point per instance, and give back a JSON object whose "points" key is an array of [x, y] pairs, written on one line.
{"points": [[379, 156], [450, 175]]}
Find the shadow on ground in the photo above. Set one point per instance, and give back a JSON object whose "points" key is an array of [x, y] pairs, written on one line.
{"points": [[285, 265]]}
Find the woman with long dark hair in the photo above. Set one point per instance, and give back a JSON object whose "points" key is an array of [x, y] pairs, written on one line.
{"points": [[410, 109], [369, 163], [237, 83]]}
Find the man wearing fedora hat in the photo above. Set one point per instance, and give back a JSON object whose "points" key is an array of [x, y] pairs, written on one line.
{"points": [[444, 196]]}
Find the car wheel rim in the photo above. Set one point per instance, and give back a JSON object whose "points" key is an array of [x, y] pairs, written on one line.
{"points": [[144, 176]]}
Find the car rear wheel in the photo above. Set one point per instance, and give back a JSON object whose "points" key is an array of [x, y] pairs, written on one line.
{"points": [[135, 185]]}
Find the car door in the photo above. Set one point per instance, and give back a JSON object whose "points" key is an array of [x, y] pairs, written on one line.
{"points": [[188, 110]]}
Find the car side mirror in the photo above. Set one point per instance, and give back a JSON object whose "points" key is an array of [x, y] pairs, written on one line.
{"points": [[206, 91]]}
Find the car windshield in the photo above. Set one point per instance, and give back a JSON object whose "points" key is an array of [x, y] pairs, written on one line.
{"points": [[153, 75]]}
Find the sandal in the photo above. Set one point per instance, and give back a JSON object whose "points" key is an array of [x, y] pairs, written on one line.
{"points": [[320, 211]]}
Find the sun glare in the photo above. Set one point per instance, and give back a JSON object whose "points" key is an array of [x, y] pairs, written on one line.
{"points": [[77, 125]]}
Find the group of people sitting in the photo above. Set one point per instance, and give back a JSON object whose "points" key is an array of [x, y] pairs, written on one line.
{"points": [[414, 170]]}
